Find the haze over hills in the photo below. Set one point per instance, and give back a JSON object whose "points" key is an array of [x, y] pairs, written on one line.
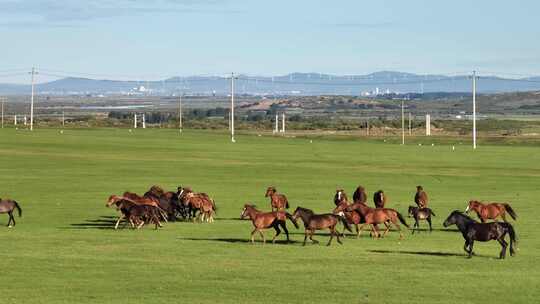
{"points": [[291, 84]]}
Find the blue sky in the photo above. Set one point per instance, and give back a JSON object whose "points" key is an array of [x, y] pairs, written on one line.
{"points": [[156, 38]]}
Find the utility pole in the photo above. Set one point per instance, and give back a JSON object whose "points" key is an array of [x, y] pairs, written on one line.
{"points": [[32, 100], [474, 107], [180, 114], [402, 122], [410, 124], [232, 108]]}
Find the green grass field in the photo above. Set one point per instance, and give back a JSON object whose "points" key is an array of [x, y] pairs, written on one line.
{"points": [[63, 249]]}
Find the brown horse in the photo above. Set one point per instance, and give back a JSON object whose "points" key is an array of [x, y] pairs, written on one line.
{"points": [[375, 216], [198, 202], [277, 201], [139, 200], [136, 214], [314, 222], [265, 220], [491, 210], [379, 198], [7, 206], [352, 217], [359, 195], [420, 214], [340, 196], [421, 198]]}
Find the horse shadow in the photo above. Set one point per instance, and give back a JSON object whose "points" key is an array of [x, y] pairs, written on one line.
{"points": [[422, 253], [103, 222], [239, 241]]}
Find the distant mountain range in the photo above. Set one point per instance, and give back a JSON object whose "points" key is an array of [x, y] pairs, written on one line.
{"points": [[291, 84]]}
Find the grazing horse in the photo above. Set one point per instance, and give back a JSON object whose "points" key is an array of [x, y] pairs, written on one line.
{"points": [[314, 222], [483, 232], [490, 211], [7, 206], [340, 196], [420, 214], [135, 213], [375, 216], [421, 198], [277, 201], [359, 195], [265, 220], [379, 198]]}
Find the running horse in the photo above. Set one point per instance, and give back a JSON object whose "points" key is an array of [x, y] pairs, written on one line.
{"points": [[420, 214], [314, 222], [379, 199], [277, 201], [353, 217], [265, 220], [7, 206], [359, 195], [198, 202], [483, 232], [135, 213], [490, 211], [421, 198], [340, 196], [375, 216]]}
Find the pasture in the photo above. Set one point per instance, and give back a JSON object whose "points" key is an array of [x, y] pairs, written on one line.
{"points": [[64, 250]]}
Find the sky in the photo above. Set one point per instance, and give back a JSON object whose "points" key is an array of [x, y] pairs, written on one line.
{"points": [[154, 39]]}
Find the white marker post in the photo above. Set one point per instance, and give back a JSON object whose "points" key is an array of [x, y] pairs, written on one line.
{"points": [[276, 128], [474, 108], [232, 108], [283, 123], [428, 125], [15, 119], [135, 121], [143, 122]]}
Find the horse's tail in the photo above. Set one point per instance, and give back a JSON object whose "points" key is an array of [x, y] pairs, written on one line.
{"points": [[291, 218], [402, 219], [18, 208], [344, 222], [513, 236], [510, 211]]}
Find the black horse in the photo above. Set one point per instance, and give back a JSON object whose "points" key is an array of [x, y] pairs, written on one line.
{"points": [[7, 206], [483, 232]]}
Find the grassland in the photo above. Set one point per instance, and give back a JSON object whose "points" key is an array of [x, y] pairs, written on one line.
{"points": [[63, 249]]}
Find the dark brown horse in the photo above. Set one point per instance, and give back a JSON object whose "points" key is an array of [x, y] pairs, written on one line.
{"points": [[277, 201], [7, 206], [359, 195], [421, 198], [314, 222], [352, 217], [265, 220], [146, 200], [379, 198], [375, 216], [340, 196], [483, 232], [420, 214], [491, 210], [167, 201], [135, 213]]}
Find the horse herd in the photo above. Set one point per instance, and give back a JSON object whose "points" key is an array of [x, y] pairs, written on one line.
{"points": [[157, 205]]}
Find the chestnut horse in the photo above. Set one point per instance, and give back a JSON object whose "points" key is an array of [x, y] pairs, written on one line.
{"points": [[359, 195], [278, 201], [379, 198], [421, 198], [265, 220], [7, 206], [136, 214], [483, 232], [314, 222], [197, 202], [490, 211], [139, 200], [352, 217], [375, 216]]}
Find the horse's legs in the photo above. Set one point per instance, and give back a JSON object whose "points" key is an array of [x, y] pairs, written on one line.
{"points": [[284, 226], [253, 236], [305, 237], [416, 226], [10, 214], [311, 232], [276, 227], [357, 231], [262, 236], [504, 244], [374, 231], [387, 229], [332, 232], [360, 229], [338, 239], [471, 243], [429, 222], [118, 222]]}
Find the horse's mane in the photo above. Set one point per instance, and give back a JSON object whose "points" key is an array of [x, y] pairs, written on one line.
{"points": [[463, 215], [305, 210]]}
